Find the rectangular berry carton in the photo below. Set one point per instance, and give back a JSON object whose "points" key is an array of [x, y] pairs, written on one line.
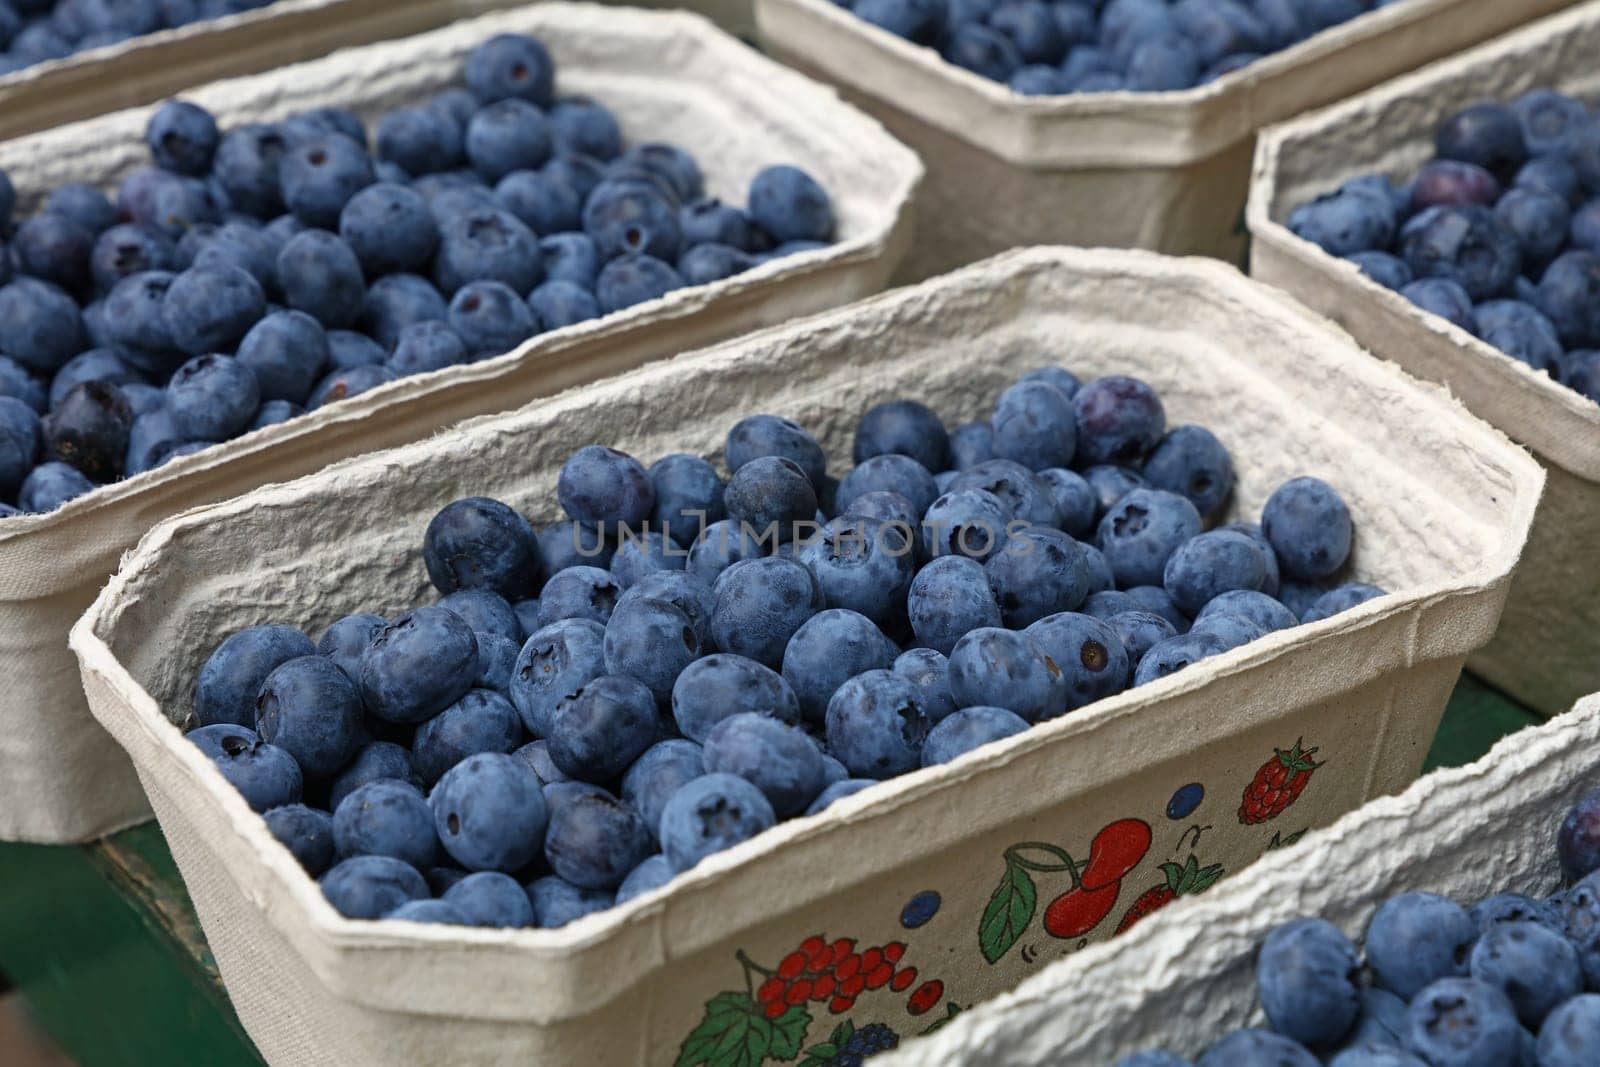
{"points": [[1163, 171], [1187, 977], [1547, 652], [950, 872], [670, 76]]}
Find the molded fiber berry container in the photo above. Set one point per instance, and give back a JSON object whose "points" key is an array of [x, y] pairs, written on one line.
{"points": [[1547, 653], [146, 69], [1163, 171], [957, 865], [670, 77], [1185, 978]]}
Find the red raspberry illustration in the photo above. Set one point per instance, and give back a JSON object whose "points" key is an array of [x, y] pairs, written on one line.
{"points": [[852, 987], [823, 987], [775, 1008], [879, 976], [902, 981], [792, 966], [1183, 881], [893, 951], [1278, 784], [799, 992], [871, 958], [840, 1005], [771, 989], [847, 968]]}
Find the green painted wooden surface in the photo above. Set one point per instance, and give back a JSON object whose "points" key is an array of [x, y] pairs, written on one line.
{"points": [[104, 944]]}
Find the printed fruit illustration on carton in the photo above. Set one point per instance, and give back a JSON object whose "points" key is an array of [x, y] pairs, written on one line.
{"points": [[1278, 784]]}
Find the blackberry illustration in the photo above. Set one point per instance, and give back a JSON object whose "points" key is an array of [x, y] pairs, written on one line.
{"points": [[867, 1041]]}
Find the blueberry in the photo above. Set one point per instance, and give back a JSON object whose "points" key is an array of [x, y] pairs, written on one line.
{"points": [[966, 522], [653, 873], [371, 887], [1163, 64], [321, 174], [1076, 502], [50, 486], [827, 650], [578, 172], [578, 593], [497, 660], [1447, 183], [778, 759], [1387, 270], [421, 140], [720, 685], [602, 728], [556, 662], [982, 50], [491, 899], [427, 346], [1514, 907], [905, 427], [1489, 135], [634, 279], [511, 66], [1108, 602], [40, 325], [948, 598], [418, 665], [1535, 967], [688, 496], [389, 228], [428, 911], [1464, 1023], [1418, 938], [536, 755], [489, 812], [1464, 244], [1175, 654], [1580, 913], [481, 721], [650, 641], [1307, 977], [307, 833], [864, 565], [1547, 120], [1521, 332], [968, 729], [490, 318], [1139, 534], [722, 544], [506, 136], [87, 429], [84, 205], [671, 164], [479, 543], [1153, 1058], [971, 444], [226, 688], [1191, 461], [1034, 425], [874, 726], [311, 709], [557, 902], [486, 244], [1539, 221], [557, 304], [571, 258], [378, 761], [760, 604], [183, 138], [1339, 600], [710, 814], [632, 217], [1140, 631], [921, 21], [320, 275], [1031, 25], [1570, 1036], [1345, 222], [1003, 668], [594, 840], [394, 302], [386, 817], [572, 544], [1568, 295], [1213, 563], [758, 436], [929, 674], [546, 205], [1578, 841], [53, 248], [603, 486], [1266, 613], [1553, 174], [18, 384], [579, 124], [265, 775], [1120, 420], [1444, 298], [171, 206], [1254, 1047], [657, 774], [710, 221], [641, 555], [1089, 654], [770, 495]]}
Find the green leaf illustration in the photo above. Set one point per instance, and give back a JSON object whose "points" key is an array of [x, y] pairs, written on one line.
{"points": [[1008, 913], [787, 1033]]}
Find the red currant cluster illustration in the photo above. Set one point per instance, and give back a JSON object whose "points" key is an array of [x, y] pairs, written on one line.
{"points": [[837, 974]]}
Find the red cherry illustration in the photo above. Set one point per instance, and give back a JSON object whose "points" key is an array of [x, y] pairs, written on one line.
{"points": [[903, 980], [792, 965], [1077, 911], [776, 1008], [1116, 850]]}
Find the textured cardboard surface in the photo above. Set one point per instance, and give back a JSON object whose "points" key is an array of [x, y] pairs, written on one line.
{"points": [[1165, 171], [669, 77], [1547, 653], [916, 860], [1186, 977]]}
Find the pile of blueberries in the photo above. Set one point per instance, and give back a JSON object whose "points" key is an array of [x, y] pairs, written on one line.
{"points": [[1499, 233], [1052, 47], [1512, 981], [248, 277], [597, 705], [35, 31]]}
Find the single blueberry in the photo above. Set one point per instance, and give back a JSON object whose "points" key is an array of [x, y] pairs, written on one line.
{"points": [[418, 665], [307, 833], [710, 814], [371, 887], [489, 813]]}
